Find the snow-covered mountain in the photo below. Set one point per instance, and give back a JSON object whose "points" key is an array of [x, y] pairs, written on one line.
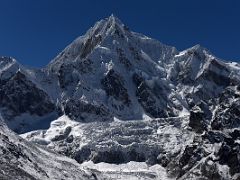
{"points": [[116, 96]]}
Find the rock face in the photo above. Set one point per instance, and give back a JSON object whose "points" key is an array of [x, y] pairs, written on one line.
{"points": [[130, 98], [114, 86], [154, 100], [19, 95], [86, 112], [228, 111], [196, 120]]}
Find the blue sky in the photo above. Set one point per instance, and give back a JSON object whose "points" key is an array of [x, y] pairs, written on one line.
{"points": [[34, 32]]}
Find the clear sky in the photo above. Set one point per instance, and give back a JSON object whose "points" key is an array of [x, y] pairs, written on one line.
{"points": [[35, 31]]}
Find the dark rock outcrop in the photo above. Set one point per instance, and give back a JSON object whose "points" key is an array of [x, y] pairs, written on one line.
{"points": [[86, 112], [197, 120], [154, 101], [113, 84], [20, 95], [227, 115]]}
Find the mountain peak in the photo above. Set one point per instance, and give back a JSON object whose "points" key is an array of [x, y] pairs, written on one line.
{"points": [[114, 20], [107, 26], [199, 50], [198, 47]]}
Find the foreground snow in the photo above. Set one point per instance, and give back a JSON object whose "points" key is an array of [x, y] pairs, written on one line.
{"points": [[131, 170]]}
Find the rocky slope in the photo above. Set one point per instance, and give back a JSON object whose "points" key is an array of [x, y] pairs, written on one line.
{"points": [[23, 160], [117, 96]]}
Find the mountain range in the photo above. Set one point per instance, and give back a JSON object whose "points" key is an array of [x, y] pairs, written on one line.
{"points": [[116, 97]]}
